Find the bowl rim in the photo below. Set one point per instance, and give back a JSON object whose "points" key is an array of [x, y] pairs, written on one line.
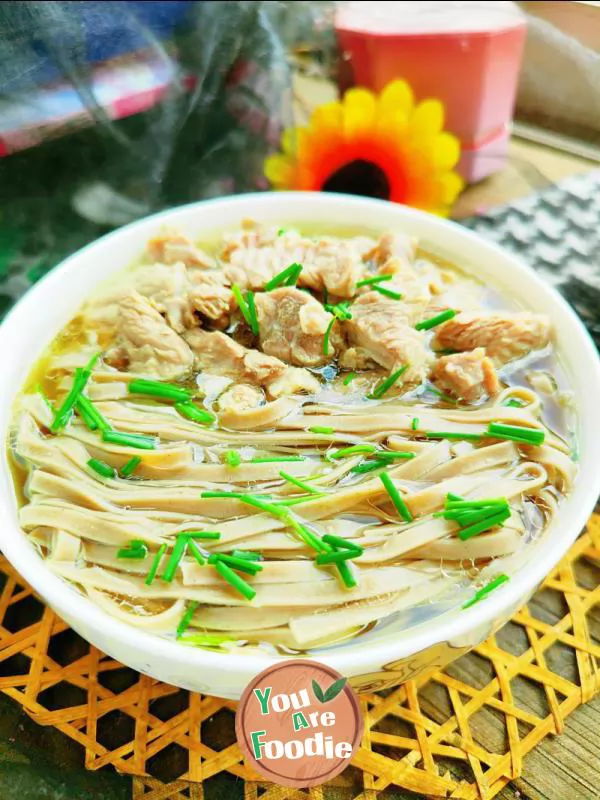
{"points": [[60, 595]]}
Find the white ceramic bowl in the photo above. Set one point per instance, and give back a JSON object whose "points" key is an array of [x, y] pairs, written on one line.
{"points": [[389, 658]]}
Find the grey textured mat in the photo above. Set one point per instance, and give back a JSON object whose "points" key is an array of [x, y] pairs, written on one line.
{"points": [[557, 232]]}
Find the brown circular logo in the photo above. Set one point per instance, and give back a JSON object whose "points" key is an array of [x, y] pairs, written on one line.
{"points": [[298, 723]]}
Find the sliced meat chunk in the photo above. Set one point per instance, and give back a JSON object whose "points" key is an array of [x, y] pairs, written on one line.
{"points": [[505, 335], [381, 329], [218, 354], [294, 381], [255, 256], [210, 298], [241, 397], [292, 326], [468, 376], [356, 358], [394, 255], [172, 247], [146, 344], [167, 289]]}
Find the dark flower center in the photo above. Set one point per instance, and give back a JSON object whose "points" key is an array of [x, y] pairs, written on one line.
{"points": [[359, 177]]}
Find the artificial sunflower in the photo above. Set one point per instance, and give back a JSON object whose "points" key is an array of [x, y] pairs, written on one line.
{"points": [[381, 146]]}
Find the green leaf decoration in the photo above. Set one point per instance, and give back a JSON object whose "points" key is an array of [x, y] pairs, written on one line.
{"points": [[335, 688], [318, 692]]}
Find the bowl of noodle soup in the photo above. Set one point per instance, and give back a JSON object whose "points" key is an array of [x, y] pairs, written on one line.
{"points": [[273, 426]]}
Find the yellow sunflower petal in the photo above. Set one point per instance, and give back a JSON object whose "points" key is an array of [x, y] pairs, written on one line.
{"points": [[428, 118], [446, 151], [279, 170], [451, 184], [397, 97], [292, 139], [327, 118], [359, 112]]}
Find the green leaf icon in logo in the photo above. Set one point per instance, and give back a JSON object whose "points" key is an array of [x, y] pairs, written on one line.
{"points": [[329, 694]]}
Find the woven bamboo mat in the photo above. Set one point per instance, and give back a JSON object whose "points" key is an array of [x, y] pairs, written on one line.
{"points": [[462, 733]]}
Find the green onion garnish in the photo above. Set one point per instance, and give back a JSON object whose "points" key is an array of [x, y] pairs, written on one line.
{"points": [[300, 484], [445, 397], [336, 557], [345, 544], [252, 312], [349, 378], [446, 351], [281, 231], [239, 564], [326, 337], [249, 555], [136, 440], [176, 555], [415, 424], [294, 501], [195, 551], [50, 405], [187, 618], [195, 414], [130, 467], [471, 504], [204, 640], [486, 590], [137, 549], [432, 322], [214, 535], [369, 466], [233, 459], [275, 459], [513, 403], [288, 276], [63, 414], [383, 387], [155, 564], [484, 524], [374, 280], [475, 437], [321, 429], [353, 450], [101, 468], [340, 310], [250, 499], [388, 455], [388, 292], [396, 498], [346, 575], [239, 584], [90, 414], [516, 433], [164, 391]]}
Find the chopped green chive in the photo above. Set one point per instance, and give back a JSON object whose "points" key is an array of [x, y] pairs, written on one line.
{"points": [[346, 575], [164, 391], [432, 322], [446, 351], [137, 549], [130, 467], [50, 405], [287, 277], [336, 557], [186, 619], [249, 555], [369, 466], [252, 312], [294, 501], [233, 459], [137, 440], [340, 310], [387, 384], [176, 555], [195, 414], [516, 433], [349, 378], [387, 455], [239, 584], [80, 380], [155, 564], [214, 535], [484, 524], [396, 497], [251, 500], [101, 468], [245, 309], [90, 414], [353, 450], [275, 459], [195, 551], [445, 397], [345, 544], [281, 231], [300, 484], [326, 337], [475, 437], [321, 429], [374, 280], [388, 292], [415, 424], [239, 564], [513, 403], [204, 640], [486, 590]]}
